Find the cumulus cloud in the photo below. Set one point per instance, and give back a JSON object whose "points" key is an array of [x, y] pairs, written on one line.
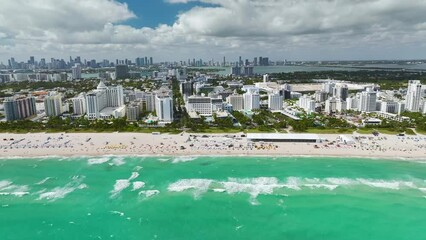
{"points": [[218, 27]]}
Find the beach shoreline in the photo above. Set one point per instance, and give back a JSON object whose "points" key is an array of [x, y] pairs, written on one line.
{"points": [[71, 145]]}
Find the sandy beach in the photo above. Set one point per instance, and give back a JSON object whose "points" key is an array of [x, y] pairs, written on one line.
{"points": [[98, 144]]}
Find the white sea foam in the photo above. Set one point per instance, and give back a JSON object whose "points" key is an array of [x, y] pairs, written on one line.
{"points": [[119, 186], [395, 185], [149, 193], [43, 181], [62, 192], [219, 190], [292, 183], [326, 186], [118, 161], [267, 185], [8, 188], [121, 214], [164, 159], [340, 181], [96, 161], [4, 184], [137, 185], [183, 159], [138, 168], [56, 193], [252, 186], [199, 186], [134, 176], [82, 186]]}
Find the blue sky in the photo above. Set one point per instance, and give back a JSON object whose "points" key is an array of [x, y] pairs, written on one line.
{"points": [[151, 13]]}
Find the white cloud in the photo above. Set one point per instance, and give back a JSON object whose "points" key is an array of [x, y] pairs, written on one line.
{"points": [[226, 27]]}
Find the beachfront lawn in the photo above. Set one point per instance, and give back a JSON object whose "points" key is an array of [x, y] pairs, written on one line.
{"points": [[410, 132], [389, 131], [421, 131], [365, 130], [330, 130], [218, 130], [258, 130]]}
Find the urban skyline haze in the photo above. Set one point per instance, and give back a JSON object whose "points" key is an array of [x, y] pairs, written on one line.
{"points": [[172, 30]]}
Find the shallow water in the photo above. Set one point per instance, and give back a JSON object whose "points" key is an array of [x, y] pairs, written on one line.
{"points": [[212, 198]]}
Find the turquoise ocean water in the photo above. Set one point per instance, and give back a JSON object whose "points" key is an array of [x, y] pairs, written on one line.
{"points": [[212, 198]]}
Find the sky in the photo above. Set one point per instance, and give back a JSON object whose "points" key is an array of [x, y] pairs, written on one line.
{"points": [[176, 30]]}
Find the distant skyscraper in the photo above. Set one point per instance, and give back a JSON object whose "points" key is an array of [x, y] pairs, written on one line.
{"points": [[121, 71], [414, 94], [248, 71], [151, 61], [76, 71], [265, 61], [236, 71]]}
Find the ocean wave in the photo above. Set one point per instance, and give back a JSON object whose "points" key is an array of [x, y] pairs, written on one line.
{"points": [[7, 188], [43, 181], [4, 183], [199, 186], [252, 186], [163, 159], [119, 186], [133, 176], [138, 168], [183, 159], [62, 192], [268, 185], [118, 161], [137, 185], [149, 193], [97, 161]]}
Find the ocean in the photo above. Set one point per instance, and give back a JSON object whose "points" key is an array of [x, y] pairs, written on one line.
{"points": [[215, 197]]}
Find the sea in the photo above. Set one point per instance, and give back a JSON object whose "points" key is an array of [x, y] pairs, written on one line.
{"points": [[118, 197], [307, 68]]}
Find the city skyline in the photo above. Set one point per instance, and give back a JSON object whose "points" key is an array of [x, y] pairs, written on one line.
{"points": [[172, 30]]}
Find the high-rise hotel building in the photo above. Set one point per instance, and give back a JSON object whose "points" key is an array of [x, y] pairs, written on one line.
{"points": [[105, 97], [414, 94], [19, 108]]}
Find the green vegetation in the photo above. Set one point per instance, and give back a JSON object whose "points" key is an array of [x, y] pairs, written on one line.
{"points": [[330, 130], [77, 86], [419, 121], [58, 124]]}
